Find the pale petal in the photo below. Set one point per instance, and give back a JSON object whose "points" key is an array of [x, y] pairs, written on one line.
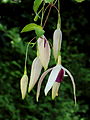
{"points": [[55, 89], [72, 79], [35, 73], [43, 51], [57, 40], [23, 85], [52, 78], [40, 82]]}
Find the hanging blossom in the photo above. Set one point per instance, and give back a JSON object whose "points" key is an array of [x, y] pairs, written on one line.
{"points": [[54, 80], [42, 60]]}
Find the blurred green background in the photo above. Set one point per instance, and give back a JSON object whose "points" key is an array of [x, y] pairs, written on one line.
{"points": [[14, 15]]}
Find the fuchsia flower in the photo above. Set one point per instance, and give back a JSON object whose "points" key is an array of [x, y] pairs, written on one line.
{"points": [[35, 73], [43, 51], [54, 80]]}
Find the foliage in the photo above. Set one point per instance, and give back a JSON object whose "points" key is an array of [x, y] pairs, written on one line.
{"points": [[75, 55], [79, 0], [32, 26]]}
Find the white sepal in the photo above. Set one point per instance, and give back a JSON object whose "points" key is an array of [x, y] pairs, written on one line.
{"points": [[73, 83], [40, 82], [52, 78]]}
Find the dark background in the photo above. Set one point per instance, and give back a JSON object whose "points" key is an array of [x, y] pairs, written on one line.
{"points": [[75, 57]]}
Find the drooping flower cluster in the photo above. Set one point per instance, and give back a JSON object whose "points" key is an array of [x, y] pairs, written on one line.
{"points": [[42, 60]]}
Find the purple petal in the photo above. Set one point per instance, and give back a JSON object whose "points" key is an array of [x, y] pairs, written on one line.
{"points": [[60, 76]]}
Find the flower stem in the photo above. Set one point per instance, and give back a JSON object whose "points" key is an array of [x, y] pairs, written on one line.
{"points": [[25, 67], [59, 18], [55, 2], [59, 60], [47, 16]]}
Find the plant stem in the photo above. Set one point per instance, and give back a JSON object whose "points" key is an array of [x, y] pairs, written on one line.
{"points": [[46, 8], [42, 13], [55, 2], [59, 18], [47, 16], [25, 67]]}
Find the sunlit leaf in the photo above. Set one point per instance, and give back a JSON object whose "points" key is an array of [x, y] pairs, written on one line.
{"points": [[36, 5], [79, 0], [39, 32], [38, 29], [30, 27]]}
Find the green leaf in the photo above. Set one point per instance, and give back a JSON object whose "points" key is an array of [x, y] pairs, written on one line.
{"points": [[36, 5], [79, 0], [49, 1], [39, 32], [38, 29], [30, 27]]}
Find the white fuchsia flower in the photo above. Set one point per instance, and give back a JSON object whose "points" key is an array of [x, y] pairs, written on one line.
{"points": [[23, 85], [54, 80], [35, 73], [57, 40], [43, 51]]}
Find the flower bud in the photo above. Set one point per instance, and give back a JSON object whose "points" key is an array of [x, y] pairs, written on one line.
{"points": [[23, 85], [43, 51], [57, 40], [35, 73]]}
